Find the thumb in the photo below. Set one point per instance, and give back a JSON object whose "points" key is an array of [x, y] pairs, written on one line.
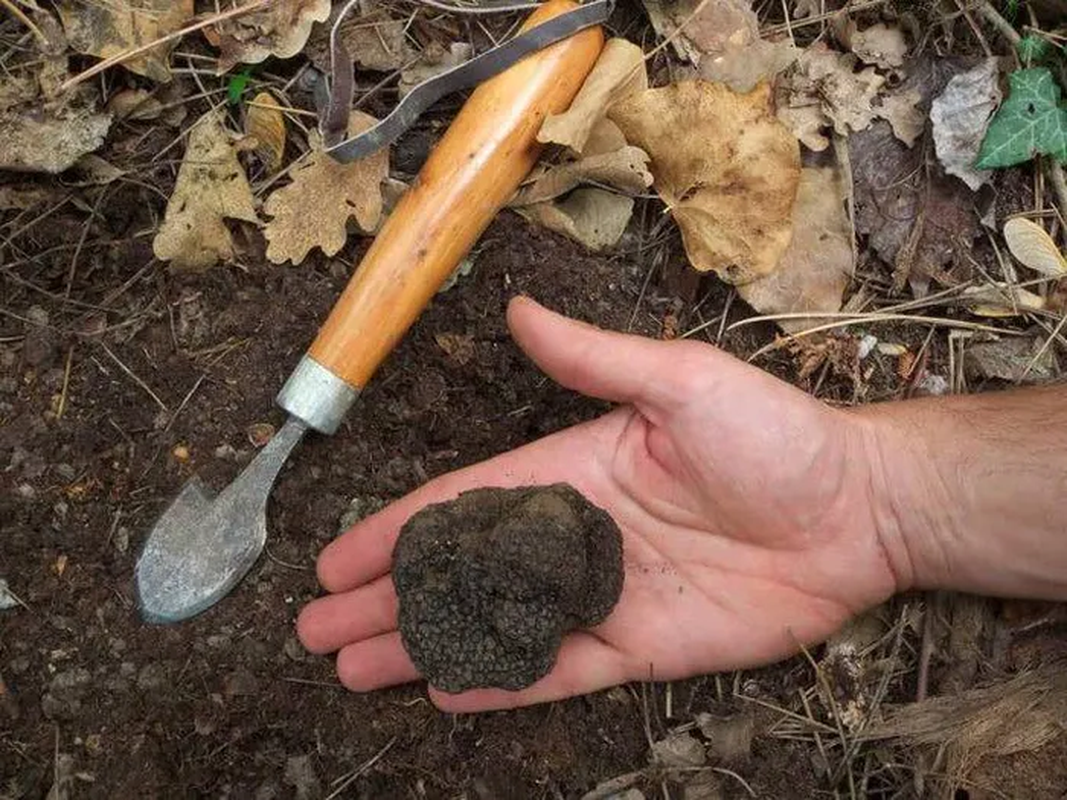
{"points": [[611, 366]]}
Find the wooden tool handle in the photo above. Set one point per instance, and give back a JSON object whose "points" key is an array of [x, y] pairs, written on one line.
{"points": [[475, 168]]}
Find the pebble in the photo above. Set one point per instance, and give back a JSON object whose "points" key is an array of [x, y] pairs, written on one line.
{"points": [[240, 683], [66, 472], [152, 677], [121, 539], [41, 341], [65, 692], [293, 649], [300, 774]]}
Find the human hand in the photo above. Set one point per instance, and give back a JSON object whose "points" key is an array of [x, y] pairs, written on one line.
{"points": [[746, 507]]}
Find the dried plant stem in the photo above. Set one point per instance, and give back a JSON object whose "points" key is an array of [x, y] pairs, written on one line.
{"points": [[17, 13], [994, 18], [133, 52]]}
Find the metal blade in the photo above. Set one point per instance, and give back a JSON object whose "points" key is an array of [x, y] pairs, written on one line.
{"points": [[200, 548]]}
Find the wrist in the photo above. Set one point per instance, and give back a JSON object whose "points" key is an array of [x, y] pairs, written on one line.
{"points": [[966, 491], [910, 501]]}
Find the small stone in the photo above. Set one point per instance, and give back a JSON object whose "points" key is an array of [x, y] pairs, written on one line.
{"points": [[66, 472], [300, 774], [121, 539], [240, 683], [152, 677], [218, 641], [65, 692], [41, 341], [117, 646], [127, 668], [359, 508], [678, 751], [26, 491], [19, 665], [60, 510], [225, 452], [293, 649], [181, 453]]}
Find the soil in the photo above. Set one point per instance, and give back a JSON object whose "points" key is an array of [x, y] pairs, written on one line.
{"points": [[167, 373]]}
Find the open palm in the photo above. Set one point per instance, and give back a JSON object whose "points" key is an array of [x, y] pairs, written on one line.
{"points": [[744, 505]]}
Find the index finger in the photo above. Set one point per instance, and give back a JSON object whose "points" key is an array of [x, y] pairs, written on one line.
{"points": [[574, 456]]}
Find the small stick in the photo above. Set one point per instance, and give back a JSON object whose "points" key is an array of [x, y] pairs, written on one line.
{"points": [[134, 378], [62, 406], [126, 55], [16, 12]]}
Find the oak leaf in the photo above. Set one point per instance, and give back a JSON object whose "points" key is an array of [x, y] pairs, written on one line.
{"points": [[618, 72], [594, 217], [314, 208], [105, 29], [210, 188], [281, 29]]}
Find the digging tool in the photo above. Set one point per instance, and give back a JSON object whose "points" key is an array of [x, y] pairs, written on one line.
{"points": [[200, 548]]}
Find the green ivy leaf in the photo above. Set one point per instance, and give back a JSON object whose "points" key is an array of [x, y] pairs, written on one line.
{"points": [[1032, 120], [1033, 49]]}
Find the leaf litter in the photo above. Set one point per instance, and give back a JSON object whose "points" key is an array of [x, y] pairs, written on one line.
{"points": [[280, 30], [730, 183], [313, 210], [107, 29], [211, 188], [960, 116]]}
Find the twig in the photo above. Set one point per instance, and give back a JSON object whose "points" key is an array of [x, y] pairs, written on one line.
{"points": [[133, 377], [346, 780], [993, 17], [16, 12], [816, 19], [126, 55], [62, 405]]}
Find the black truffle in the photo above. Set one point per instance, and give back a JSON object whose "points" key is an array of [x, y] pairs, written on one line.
{"points": [[489, 582]]}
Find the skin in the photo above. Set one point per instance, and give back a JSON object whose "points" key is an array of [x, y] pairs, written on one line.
{"points": [[755, 518]]}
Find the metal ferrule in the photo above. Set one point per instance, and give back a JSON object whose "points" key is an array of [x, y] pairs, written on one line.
{"points": [[316, 396]]}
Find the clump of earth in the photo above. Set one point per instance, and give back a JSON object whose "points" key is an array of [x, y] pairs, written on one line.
{"points": [[490, 582]]}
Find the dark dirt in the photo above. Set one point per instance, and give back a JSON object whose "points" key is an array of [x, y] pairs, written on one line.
{"points": [[228, 704], [488, 583]]}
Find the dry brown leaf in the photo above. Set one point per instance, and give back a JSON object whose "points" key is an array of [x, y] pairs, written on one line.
{"points": [[825, 89], [1032, 246], [211, 187], [625, 169], [879, 45], [92, 170], [1014, 358], [50, 138], [433, 61], [266, 123], [23, 197], [134, 104], [730, 181], [105, 29], [816, 268], [901, 111], [606, 137], [593, 217], [742, 67], [1001, 300], [313, 210], [376, 41], [281, 29], [458, 346], [717, 24], [620, 71]]}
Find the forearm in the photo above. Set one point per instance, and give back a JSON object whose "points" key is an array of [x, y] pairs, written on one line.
{"points": [[971, 492]]}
